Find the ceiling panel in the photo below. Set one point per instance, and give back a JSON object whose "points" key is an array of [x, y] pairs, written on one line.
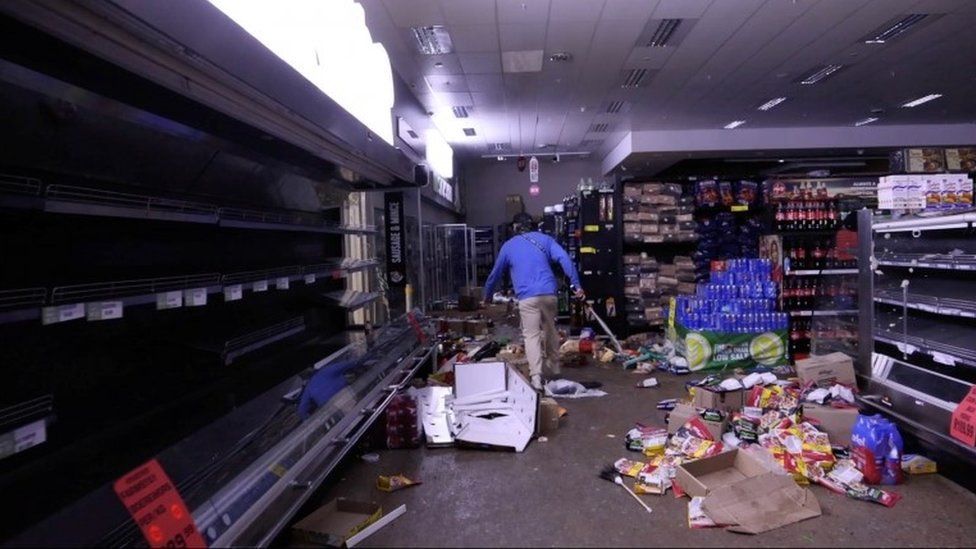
{"points": [[490, 83], [481, 63], [522, 36], [449, 64], [523, 11], [571, 36], [454, 99], [648, 58], [446, 83], [685, 9], [468, 12], [629, 9], [414, 13], [576, 10], [474, 38], [488, 99]]}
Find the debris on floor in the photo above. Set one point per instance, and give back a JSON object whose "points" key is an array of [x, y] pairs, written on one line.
{"points": [[392, 483], [564, 388]]}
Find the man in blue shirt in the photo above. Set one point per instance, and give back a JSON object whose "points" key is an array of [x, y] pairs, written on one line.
{"points": [[528, 257]]}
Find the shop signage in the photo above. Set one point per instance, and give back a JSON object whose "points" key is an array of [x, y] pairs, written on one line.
{"points": [[708, 350], [533, 170], [396, 267], [534, 190], [443, 188], [157, 508]]}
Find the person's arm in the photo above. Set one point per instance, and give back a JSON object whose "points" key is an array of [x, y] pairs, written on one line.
{"points": [[557, 253], [501, 265]]}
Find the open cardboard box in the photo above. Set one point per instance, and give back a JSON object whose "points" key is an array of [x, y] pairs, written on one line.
{"points": [[838, 423], [826, 370], [683, 412], [744, 491], [332, 524], [493, 405], [727, 401]]}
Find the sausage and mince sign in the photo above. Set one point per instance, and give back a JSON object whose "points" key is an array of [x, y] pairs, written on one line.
{"points": [[396, 273]]}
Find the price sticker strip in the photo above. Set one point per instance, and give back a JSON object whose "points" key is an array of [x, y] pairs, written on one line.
{"points": [[157, 508]]}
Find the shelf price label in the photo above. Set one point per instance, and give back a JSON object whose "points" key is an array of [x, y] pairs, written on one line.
{"points": [[260, 286], [233, 292], [169, 300], [62, 313], [157, 508], [195, 297], [310, 278], [943, 358], [282, 283], [103, 310]]}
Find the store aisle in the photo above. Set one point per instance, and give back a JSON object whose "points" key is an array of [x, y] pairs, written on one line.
{"points": [[550, 495]]}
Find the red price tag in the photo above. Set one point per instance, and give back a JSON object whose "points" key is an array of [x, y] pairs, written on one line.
{"points": [[963, 420], [157, 507]]}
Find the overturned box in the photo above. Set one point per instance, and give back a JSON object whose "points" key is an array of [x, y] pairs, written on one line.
{"points": [[746, 492], [493, 405], [334, 523], [826, 370]]}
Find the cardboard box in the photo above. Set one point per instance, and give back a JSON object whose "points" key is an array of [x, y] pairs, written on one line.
{"points": [[550, 412], [826, 370], [727, 401], [836, 422], [335, 522], [704, 476], [747, 491], [683, 412]]}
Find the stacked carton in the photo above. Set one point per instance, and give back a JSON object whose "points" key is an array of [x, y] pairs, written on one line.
{"points": [[657, 213], [649, 286]]}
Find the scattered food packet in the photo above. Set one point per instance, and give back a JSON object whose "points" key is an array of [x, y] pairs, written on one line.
{"points": [[655, 482], [649, 382], [696, 515], [393, 483], [867, 493], [628, 468], [667, 404], [914, 464]]}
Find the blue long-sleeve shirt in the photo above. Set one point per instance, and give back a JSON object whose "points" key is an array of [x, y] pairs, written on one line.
{"points": [[529, 265]]}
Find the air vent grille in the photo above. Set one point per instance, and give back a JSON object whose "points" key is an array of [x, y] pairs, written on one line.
{"points": [[461, 112], [634, 78], [433, 40], [600, 127], [500, 147], [820, 73], [662, 35], [470, 132], [615, 106]]}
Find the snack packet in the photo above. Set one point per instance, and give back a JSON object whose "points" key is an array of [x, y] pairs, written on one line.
{"points": [[393, 483], [628, 468]]}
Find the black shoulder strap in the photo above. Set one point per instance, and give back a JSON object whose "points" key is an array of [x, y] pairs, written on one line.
{"points": [[536, 244]]}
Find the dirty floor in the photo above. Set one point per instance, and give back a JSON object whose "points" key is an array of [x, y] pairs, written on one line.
{"points": [[550, 495]]}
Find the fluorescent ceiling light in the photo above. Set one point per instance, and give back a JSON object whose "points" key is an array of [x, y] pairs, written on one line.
{"points": [[440, 155], [734, 124], [771, 103], [866, 121], [895, 28], [663, 33], [329, 44], [432, 40], [921, 100], [522, 61], [821, 73]]}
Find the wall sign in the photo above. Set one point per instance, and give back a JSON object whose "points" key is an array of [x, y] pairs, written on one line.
{"points": [[396, 267], [534, 190], [533, 170], [157, 508], [443, 188]]}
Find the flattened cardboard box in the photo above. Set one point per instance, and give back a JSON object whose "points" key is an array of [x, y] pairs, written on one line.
{"points": [[745, 493], [335, 522], [827, 370]]}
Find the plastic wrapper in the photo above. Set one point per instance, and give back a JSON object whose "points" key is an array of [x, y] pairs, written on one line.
{"points": [[653, 482], [696, 515], [393, 483], [628, 468]]}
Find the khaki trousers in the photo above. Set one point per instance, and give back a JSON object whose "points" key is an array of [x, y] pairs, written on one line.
{"points": [[538, 315]]}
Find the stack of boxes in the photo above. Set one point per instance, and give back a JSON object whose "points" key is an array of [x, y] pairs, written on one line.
{"points": [[649, 286], [937, 191], [658, 213]]}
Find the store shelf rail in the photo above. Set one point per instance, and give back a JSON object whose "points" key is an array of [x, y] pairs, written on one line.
{"points": [[133, 292], [73, 199]]}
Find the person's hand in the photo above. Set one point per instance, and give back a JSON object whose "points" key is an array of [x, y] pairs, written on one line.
{"points": [[579, 294]]}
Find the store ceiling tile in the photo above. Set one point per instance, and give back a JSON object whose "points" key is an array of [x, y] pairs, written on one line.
{"points": [[448, 83], [488, 83], [680, 9], [522, 36], [454, 99], [468, 12], [414, 13], [474, 38], [488, 99], [481, 63], [648, 58], [576, 10], [439, 64], [573, 37], [629, 9], [523, 11]]}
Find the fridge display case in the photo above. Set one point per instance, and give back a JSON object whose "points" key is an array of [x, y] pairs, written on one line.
{"points": [[918, 305]]}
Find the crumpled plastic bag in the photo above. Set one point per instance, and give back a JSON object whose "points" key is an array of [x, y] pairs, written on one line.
{"points": [[564, 388]]}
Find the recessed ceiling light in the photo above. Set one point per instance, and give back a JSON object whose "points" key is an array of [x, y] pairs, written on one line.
{"points": [[439, 65], [433, 40], [921, 100], [771, 103], [866, 121], [561, 56], [820, 74], [894, 28], [734, 124], [781, 161], [500, 158], [522, 61]]}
